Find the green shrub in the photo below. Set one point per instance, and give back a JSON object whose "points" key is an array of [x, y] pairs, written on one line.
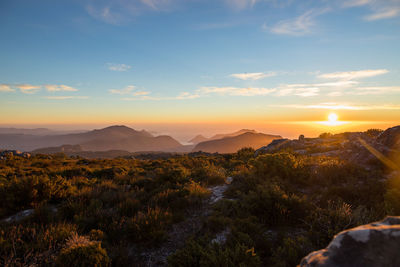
{"points": [[200, 253], [291, 251]]}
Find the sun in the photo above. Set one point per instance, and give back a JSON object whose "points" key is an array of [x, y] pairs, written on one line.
{"points": [[333, 118]]}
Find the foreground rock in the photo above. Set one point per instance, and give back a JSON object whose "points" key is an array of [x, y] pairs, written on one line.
{"points": [[375, 244], [391, 138]]}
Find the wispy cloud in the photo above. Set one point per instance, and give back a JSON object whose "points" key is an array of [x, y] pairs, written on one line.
{"points": [[253, 76], [301, 25], [140, 93], [118, 67], [124, 91], [235, 91], [376, 90], [241, 4], [106, 14], [354, 3], [65, 97], [6, 88], [290, 90], [123, 11], [28, 88], [384, 14], [59, 87], [349, 75], [381, 9], [341, 84], [338, 106], [157, 4]]}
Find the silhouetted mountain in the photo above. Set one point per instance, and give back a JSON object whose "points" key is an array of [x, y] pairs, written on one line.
{"points": [[198, 139], [234, 143], [220, 136], [110, 138], [37, 131]]}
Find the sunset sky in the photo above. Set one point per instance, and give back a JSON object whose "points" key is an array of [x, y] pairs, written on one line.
{"points": [[200, 66]]}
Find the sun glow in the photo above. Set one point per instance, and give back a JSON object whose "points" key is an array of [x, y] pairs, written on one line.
{"points": [[333, 120]]}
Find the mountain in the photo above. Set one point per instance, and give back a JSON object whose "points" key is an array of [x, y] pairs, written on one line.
{"points": [[231, 144], [198, 139], [220, 136], [110, 138], [36, 131]]}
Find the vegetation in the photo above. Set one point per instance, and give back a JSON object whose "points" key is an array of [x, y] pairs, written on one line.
{"points": [[278, 208]]}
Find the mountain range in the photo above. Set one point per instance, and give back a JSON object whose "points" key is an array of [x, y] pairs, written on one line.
{"points": [[110, 138], [122, 139]]}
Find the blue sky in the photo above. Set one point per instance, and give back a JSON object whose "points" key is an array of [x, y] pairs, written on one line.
{"points": [[152, 61]]}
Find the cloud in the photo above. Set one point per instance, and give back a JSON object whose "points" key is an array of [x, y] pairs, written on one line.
{"points": [[157, 4], [241, 4], [65, 97], [301, 25], [381, 9], [348, 75], [337, 106], [307, 92], [28, 88], [125, 91], [120, 12], [6, 88], [106, 14], [140, 93], [187, 95], [59, 87], [235, 91], [355, 3], [253, 76], [383, 14], [376, 90], [335, 93], [146, 97], [118, 67]]}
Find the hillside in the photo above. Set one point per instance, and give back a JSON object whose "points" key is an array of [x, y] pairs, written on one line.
{"points": [[110, 138], [272, 207], [234, 143]]}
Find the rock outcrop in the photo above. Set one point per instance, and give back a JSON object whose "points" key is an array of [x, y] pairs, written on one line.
{"points": [[390, 138], [4, 154], [375, 244]]}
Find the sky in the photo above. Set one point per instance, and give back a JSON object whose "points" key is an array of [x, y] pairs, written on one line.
{"points": [[186, 67]]}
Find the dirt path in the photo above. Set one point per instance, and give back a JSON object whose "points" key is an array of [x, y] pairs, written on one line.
{"points": [[180, 232]]}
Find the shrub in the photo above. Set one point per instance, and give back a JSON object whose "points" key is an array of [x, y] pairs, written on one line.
{"points": [[32, 245], [273, 206], [291, 251], [149, 226], [80, 251], [196, 192], [201, 253]]}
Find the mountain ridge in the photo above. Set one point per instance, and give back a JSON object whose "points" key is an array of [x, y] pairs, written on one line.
{"points": [[233, 143]]}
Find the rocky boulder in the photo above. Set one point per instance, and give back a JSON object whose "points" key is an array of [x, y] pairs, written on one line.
{"points": [[273, 146], [375, 244], [390, 138]]}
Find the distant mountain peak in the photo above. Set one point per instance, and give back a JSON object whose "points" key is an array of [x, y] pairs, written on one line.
{"points": [[123, 130], [198, 139]]}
